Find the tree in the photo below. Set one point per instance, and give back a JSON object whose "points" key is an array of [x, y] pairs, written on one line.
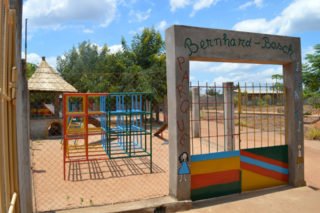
{"points": [[311, 77], [84, 67], [148, 53], [277, 85], [311, 72], [140, 67], [31, 68], [146, 46], [212, 92]]}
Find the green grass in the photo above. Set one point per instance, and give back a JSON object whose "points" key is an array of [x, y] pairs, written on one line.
{"points": [[313, 134], [242, 123]]}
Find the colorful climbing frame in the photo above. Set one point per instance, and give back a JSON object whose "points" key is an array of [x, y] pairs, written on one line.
{"points": [[129, 126], [99, 126], [84, 125]]}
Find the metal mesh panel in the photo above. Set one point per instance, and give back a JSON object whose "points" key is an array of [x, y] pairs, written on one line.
{"points": [[249, 116], [106, 153]]}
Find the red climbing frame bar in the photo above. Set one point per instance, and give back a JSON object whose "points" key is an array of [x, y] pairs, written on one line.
{"points": [[78, 134]]}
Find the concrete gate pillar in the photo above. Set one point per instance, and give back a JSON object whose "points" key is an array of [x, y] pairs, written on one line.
{"points": [[294, 119], [178, 117], [196, 112], [228, 110]]}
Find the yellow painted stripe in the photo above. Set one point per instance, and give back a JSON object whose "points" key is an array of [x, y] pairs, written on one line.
{"points": [[215, 165], [252, 181]]}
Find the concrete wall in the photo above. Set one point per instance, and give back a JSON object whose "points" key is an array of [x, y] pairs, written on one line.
{"points": [[39, 127], [185, 43]]}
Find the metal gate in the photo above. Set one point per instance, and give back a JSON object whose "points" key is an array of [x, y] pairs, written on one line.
{"points": [[237, 140]]}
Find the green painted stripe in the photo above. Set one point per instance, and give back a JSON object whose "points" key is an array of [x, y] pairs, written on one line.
{"points": [[279, 153], [216, 191]]}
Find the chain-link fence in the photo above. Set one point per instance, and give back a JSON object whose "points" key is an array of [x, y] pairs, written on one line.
{"points": [[97, 149]]}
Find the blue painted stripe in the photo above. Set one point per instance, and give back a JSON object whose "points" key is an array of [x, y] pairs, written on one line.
{"points": [[217, 155], [264, 165]]}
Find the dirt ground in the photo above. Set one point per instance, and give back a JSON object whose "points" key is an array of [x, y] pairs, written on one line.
{"points": [[96, 182], [101, 182]]}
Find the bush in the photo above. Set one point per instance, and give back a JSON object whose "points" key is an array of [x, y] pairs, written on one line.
{"points": [[307, 113], [314, 101], [313, 134], [241, 123]]}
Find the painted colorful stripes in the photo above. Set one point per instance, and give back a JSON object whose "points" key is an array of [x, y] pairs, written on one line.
{"points": [[215, 174], [264, 167], [205, 180], [224, 173], [264, 172], [215, 165], [216, 191], [212, 156], [264, 159]]}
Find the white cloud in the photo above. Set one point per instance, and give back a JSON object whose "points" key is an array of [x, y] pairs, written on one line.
{"points": [[249, 76], [57, 14], [134, 32], [299, 16], [35, 58], [139, 16], [308, 50], [162, 25], [115, 48], [196, 5], [88, 31], [258, 25], [257, 3], [232, 72], [176, 4], [201, 4], [52, 61]]}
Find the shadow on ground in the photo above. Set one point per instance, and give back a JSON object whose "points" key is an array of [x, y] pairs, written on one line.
{"points": [[105, 169]]}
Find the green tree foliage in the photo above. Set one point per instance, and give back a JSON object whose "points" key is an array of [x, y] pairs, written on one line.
{"points": [[146, 46], [31, 68], [278, 85], [311, 71], [140, 67], [84, 67], [212, 92], [267, 99], [311, 77]]}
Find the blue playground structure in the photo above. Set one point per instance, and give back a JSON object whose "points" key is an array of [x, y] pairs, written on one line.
{"points": [[129, 125], [107, 126]]}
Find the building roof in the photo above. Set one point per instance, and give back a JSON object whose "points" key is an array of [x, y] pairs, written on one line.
{"points": [[45, 78], [262, 91]]}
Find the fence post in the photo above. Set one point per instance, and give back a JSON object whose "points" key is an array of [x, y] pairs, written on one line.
{"points": [[195, 112], [23, 142], [228, 109]]}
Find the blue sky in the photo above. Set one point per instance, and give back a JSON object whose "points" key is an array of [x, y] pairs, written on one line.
{"points": [[55, 26]]}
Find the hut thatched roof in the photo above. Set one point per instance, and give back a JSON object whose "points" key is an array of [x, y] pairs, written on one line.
{"points": [[45, 78]]}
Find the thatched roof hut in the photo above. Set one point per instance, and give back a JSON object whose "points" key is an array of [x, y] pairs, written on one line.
{"points": [[46, 87], [46, 79]]}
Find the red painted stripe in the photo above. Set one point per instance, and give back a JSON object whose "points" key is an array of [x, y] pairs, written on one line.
{"points": [[264, 172], [204, 180], [264, 159]]}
